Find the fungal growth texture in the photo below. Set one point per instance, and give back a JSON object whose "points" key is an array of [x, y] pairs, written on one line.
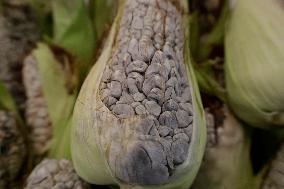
{"points": [[51, 173], [146, 77]]}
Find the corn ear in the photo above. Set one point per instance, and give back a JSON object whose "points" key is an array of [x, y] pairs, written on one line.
{"points": [[51, 173], [102, 135], [51, 91], [254, 62], [36, 112]]}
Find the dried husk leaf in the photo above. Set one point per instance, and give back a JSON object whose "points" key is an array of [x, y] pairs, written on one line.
{"points": [[274, 178], [226, 162]]}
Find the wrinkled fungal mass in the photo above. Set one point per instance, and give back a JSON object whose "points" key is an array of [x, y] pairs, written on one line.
{"points": [[146, 76]]}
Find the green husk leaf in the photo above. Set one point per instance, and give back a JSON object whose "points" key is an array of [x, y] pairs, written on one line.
{"points": [[216, 36], [42, 10], [206, 80], [194, 33], [102, 14], [201, 49], [94, 169], [254, 62], [73, 29], [60, 102], [6, 100]]}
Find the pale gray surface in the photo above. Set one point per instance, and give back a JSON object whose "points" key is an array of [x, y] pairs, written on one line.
{"points": [[146, 76], [55, 174]]}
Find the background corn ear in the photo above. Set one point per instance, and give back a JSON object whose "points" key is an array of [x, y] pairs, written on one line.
{"points": [[254, 62], [227, 162]]}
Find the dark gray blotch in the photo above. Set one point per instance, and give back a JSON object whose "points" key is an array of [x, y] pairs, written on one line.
{"points": [[145, 163], [179, 150]]}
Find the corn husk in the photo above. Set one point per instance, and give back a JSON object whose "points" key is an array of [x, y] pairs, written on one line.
{"points": [[254, 62], [227, 162], [274, 178], [95, 127]]}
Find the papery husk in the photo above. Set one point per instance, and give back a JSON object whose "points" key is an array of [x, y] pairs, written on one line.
{"points": [[227, 163], [274, 178], [93, 122], [254, 66]]}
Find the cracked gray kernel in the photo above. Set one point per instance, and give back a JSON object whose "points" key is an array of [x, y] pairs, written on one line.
{"points": [[123, 110], [183, 118], [153, 108]]}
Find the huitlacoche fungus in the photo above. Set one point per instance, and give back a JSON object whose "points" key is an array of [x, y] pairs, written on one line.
{"points": [[138, 120]]}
